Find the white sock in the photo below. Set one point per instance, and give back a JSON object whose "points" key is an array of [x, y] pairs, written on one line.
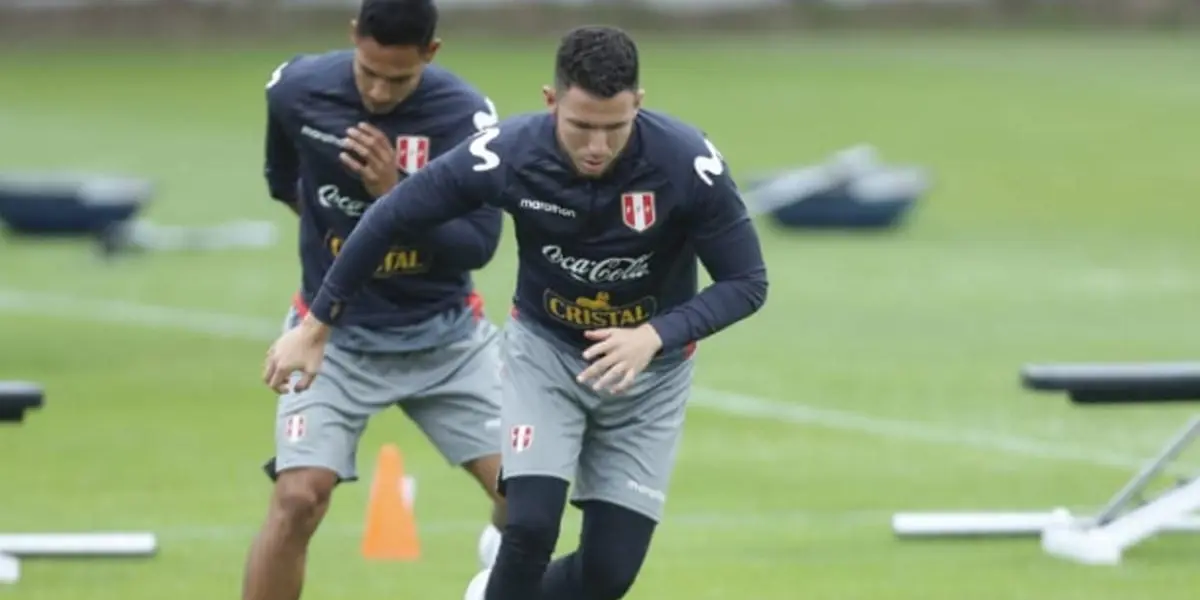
{"points": [[478, 585], [489, 546]]}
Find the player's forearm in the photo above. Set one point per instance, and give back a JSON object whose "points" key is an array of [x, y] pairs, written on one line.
{"points": [[400, 214], [716, 307], [734, 260], [355, 264], [429, 199]]}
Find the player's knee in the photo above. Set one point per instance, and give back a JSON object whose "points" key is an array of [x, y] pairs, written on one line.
{"points": [[301, 498], [534, 515]]}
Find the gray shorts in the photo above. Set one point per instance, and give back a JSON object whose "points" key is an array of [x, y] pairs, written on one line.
{"points": [[452, 393], [619, 449]]}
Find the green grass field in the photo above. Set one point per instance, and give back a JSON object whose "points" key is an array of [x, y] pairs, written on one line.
{"points": [[880, 377]]}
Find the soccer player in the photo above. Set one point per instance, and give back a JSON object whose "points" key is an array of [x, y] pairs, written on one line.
{"points": [[612, 206], [343, 128]]}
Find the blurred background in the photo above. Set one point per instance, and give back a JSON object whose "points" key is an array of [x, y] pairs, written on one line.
{"points": [[948, 189]]}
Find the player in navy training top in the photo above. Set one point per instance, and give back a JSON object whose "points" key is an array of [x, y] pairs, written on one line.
{"points": [[343, 128], [612, 205]]}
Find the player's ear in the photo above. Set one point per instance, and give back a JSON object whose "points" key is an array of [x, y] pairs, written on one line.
{"points": [[431, 50], [641, 95], [354, 31], [551, 96]]}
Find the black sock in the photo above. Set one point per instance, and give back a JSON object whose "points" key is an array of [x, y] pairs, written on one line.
{"points": [[612, 548], [535, 509]]}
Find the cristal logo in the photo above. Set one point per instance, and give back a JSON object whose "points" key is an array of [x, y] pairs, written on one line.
{"points": [[331, 197], [614, 269]]}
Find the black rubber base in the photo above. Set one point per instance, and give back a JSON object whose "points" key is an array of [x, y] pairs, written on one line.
{"points": [[1117, 383], [17, 397]]}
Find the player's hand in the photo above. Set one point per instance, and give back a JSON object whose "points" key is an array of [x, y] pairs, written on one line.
{"points": [[372, 157], [301, 349], [618, 357]]}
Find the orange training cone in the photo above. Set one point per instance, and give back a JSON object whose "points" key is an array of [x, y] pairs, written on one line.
{"points": [[391, 529]]}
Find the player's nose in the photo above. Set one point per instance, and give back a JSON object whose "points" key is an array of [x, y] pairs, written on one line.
{"points": [[598, 144], [379, 93]]}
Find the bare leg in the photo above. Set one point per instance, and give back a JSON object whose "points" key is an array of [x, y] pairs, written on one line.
{"points": [[275, 567], [486, 470]]}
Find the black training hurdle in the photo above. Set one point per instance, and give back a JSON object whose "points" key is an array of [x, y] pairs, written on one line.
{"points": [[16, 400], [1126, 519]]}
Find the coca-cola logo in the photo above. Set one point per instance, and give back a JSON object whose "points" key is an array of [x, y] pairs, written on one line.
{"points": [[613, 269], [331, 197]]}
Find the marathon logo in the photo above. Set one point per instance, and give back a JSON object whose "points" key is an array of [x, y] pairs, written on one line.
{"points": [[598, 312], [398, 261]]}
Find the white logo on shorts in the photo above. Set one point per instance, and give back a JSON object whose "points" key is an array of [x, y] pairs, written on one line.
{"points": [[521, 437], [645, 490], [293, 428]]}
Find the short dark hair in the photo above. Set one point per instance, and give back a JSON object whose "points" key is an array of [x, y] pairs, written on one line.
{"points": [[602, 61], [398, 22]]}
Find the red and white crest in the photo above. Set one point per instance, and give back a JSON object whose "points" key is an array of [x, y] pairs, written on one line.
{"points": [[521, 437], [293, 428], [637, 210], [412, 153]]}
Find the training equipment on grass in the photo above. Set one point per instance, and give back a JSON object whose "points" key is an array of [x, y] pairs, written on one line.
{"points": [[104, 208], [390, 531], [853, 190], [1118, 384], [68, 204], [16, 398], [1125, 521]]}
